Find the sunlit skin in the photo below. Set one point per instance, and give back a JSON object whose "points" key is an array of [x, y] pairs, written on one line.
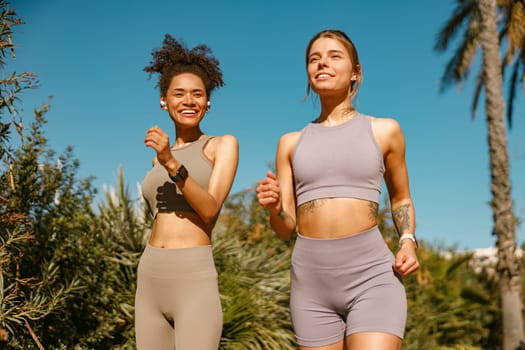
{"points": [[186, 102], [330, 74]]}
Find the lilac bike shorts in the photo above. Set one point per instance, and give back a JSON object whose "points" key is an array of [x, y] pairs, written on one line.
{"points": [[344, 286]]}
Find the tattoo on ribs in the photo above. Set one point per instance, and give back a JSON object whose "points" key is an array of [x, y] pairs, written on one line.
{"points": [[401, 218], [372, 214], [310, 206]]}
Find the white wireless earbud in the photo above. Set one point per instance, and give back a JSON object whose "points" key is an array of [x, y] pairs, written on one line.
{"points": [[162, 104], [208, 105]]}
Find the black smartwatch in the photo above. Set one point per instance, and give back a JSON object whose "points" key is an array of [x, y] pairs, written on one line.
{"points": [[181, 175]]}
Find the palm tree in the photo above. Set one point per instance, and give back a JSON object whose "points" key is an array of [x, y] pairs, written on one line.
{"points": [[504, 219], [511, 33], [482, 31]]}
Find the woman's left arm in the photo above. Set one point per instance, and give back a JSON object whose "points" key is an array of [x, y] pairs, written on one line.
{"points": [[396, 179], [208, 203]]}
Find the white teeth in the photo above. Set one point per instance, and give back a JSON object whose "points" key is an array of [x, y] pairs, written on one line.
{"points": [[188, 112], [323, 76]]}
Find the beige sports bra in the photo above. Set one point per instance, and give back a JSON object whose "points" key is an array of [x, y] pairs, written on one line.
{"points": [[161, 194]]}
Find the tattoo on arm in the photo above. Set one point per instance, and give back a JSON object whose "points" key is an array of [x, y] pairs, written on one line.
{"points": [[287, 218], [401, 216], [372, 214]]}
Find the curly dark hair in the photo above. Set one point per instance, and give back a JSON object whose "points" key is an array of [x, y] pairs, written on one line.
{"points": [[174, 58]]}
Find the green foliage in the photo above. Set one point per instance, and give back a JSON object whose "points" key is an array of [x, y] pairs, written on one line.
{"points": [[43, 210], [253, 268], [63, 266], [120, 235], [45, 219], [246, 220], [24, 299], [11, 84], [254, 292], [448, 304]]}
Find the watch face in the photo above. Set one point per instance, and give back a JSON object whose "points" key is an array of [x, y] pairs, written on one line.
{"points": [[182, 173]]}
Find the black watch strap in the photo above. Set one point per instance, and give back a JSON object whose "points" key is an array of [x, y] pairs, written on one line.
{"points": [[181, 175]]}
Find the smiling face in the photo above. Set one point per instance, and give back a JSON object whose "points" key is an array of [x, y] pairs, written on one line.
{"points": [[186, 99], [330, 68]]}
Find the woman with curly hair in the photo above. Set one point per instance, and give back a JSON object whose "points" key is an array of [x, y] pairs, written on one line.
{"points": [[177, 304]]}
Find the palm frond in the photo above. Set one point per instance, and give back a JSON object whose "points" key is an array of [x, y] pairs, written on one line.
{"points": [[458, 67], [477, 94], [476, 296], [460, 15], [513, 83], [515, 34], [456, 263]]}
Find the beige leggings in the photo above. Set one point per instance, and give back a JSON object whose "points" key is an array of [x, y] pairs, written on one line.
{"points": [[177, 303]]}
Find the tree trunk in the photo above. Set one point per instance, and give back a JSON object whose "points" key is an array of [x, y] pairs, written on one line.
{"points": [[503, 216]]}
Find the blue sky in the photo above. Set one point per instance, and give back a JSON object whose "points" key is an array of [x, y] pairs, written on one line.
{"points": [[89, 55]]}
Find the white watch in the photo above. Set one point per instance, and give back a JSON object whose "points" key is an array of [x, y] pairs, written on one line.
{"points": [[409, 236]]}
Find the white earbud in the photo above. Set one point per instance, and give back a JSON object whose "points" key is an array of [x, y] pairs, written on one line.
{"points": [[208, 105], [162, 104]]}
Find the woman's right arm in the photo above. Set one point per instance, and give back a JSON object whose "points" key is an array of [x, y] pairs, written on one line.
{"points": [[276, 193]]}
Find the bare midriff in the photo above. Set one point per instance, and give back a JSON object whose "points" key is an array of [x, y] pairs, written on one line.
{"points": [[179, 230], [336, 217]]}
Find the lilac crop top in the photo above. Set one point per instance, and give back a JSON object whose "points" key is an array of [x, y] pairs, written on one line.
{"points": [[162, 194], [342, 161]]}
